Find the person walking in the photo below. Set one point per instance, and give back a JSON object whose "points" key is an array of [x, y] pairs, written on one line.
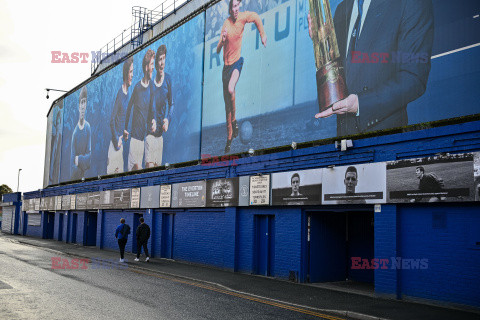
{"points": [[143, 234], [121, 233]]}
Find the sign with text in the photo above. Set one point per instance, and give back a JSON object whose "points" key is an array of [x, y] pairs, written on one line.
{"points": [[260, 190], [165, 195], [189, 194], [135, 198]]}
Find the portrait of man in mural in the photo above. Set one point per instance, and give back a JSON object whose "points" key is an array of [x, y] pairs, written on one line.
{"points": [[385, 48], [141, 102], [429, 183], [81, 149], [117, 121], [351, 181], [162, 110], [295, 181], [56, 146], [231, 42]]}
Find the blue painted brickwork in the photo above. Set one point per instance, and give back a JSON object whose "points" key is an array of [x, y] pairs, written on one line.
{"points": [[288, 242], [148, 216], [111, 222], [99, 242], [80, 226], [34, 231], [385, 246], [230, 238], [446, 236], [199, 237], [245, 240], [56, 229], [156, 238], [66, 226]]}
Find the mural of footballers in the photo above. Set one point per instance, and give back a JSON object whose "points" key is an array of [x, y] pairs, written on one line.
{"points": [[56, 146], [117, 121], [81, 149], [231, 42], [141, 102], [162, 110]]}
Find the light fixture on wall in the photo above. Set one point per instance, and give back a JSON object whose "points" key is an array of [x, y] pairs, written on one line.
{"points": [[294, 145], [48, 90], [251, 152], [344, 144]]}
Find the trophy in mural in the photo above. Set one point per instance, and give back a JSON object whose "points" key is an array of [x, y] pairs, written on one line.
{"points": [[331, 85]]}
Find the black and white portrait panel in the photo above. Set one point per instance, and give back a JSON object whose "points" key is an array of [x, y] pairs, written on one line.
{"points": [[432, 179], [303, 187], [355, 184]]}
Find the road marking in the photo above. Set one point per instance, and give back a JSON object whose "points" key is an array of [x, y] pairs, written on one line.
{"points": [[242, 296]]}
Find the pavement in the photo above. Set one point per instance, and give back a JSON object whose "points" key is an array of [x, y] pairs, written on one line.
{"points": [[340, 301]]}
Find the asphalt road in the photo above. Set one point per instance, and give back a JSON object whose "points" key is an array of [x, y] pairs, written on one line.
{"points": [[31, 289]]}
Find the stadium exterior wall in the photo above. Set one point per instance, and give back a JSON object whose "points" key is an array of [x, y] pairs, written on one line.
{"points": [[445, 234]]}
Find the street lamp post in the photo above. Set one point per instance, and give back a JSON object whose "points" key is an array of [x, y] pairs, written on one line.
{"points": [[18, 180]]}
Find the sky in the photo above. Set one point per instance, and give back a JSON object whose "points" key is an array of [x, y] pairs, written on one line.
{"points": [[29, 32]]}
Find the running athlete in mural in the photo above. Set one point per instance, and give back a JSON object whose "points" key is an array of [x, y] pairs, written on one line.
{"points": [[81, 150], [161, 112], [141, 102], [117, 121], [231, 42]]}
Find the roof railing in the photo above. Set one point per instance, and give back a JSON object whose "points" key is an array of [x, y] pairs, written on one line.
{"points": [[144, 20]]}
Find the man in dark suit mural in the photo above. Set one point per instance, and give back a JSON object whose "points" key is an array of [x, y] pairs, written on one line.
{"points": [[385, 47]]}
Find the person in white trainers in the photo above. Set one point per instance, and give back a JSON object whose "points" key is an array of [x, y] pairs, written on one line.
{"points": [[121, 233], [143, 234]]}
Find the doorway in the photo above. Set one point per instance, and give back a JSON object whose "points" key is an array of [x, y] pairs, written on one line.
{"points": [[168, 221], [264, 244], [90, 228], [333, 239]]}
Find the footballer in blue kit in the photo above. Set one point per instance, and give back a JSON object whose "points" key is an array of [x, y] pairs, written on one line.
{"points": [[162, 110], [81, 149], [117, 121], [141, 102]]}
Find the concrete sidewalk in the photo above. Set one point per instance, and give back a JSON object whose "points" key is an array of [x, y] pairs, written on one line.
{"points": [[339, 303]]}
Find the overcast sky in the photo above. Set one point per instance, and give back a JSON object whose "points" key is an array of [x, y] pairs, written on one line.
{"points": [[29, 32]]}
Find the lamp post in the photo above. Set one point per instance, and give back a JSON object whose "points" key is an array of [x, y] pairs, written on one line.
{"points": [[18, 180]]}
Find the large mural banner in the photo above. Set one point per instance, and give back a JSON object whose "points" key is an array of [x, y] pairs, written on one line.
{"points": [[277, 72], [136, 115]]}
